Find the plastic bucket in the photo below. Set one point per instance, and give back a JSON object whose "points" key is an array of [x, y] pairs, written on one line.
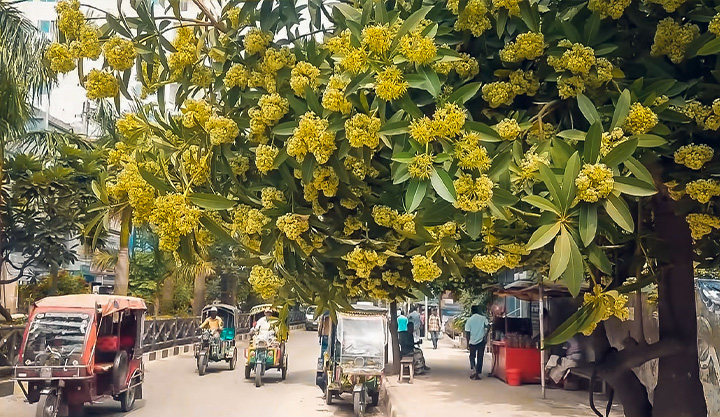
{"points": [[514, 377]]}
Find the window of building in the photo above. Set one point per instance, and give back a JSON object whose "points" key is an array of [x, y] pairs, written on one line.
{"points": [[46, 26]]}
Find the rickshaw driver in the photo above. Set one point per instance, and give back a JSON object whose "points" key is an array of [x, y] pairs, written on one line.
{"points": [[213, 322], [263, 328]]}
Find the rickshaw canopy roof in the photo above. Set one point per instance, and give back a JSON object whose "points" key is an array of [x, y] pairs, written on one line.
{"points": [[108, 304], [226, 307], [262, 307]]}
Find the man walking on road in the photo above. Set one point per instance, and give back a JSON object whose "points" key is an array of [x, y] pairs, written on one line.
{"points": [[475, 332], [414, 317], [434, 327]]}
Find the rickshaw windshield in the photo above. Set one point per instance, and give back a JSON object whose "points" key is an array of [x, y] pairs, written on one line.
{"points": [[56, 338], [361, 336]]}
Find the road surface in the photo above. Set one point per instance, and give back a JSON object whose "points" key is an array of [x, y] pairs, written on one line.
{"points": [[173, 388]]}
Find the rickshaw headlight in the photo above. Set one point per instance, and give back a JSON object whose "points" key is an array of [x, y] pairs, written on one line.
{"points": [[28, 362], [206, 336], [45, 372], [74, 363], [359, 362]]}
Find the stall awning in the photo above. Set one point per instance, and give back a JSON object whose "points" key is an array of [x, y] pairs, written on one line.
{"points": [[530, 290]]}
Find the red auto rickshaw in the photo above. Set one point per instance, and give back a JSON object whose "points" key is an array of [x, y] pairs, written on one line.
{"points": [[81, 349]]}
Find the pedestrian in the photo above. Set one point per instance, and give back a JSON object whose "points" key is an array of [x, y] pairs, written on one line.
{"points": [[324, 332], [402, 322], [422, 322], [434, 327], [414, 317], [476, 332]]}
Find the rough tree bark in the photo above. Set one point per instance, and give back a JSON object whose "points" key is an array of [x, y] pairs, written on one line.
{"points": [[199, 293], [122, 267], [54, 270], [166, 297], [394, 340], [679, 392]]}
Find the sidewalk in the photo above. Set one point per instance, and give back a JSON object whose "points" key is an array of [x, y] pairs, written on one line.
{"points": [[447, 390]]}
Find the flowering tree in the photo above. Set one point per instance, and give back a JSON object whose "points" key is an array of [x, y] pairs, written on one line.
{"points": [[382, 156]]}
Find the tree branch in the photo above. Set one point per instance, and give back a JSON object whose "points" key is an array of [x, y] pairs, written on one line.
{"points": [[210, 16], [636, 355]]}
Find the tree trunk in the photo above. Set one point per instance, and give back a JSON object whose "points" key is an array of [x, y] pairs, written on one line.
{"points": [[679, 392], [5, 313], [199, 293], [166, 297], [394, 340], [122, 267], [54, 269]]}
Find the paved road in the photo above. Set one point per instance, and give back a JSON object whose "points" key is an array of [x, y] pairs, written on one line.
{"points": [[173, 389]]}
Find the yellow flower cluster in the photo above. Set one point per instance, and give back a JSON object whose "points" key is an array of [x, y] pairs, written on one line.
{"points": [[714, 25], [473, 18], [265, 157], [473, 194], [465, 67], [364, 260], [470, 154], [237, 76], [580, 61], [447, 229], [424, 269], [610, 303], [334, 97], [512, 253], [512, 6], [272, 108], [196, 165], [195, 113], [293, 225], [707, 117], [530, 164], [265, 282], [248, 220], [61, 60], [528, 45], [173, 217], [417, 48], [352, 223], [377, 39], [202, 76], [148, 80], [694, 156], [640, 120], [594, 182], [356, 167], [273, 61], [611, 139], [386, 217], [339, 44], [489, 264], [447, 123], [70, 18], [256, 41], [672, 39], [324, 179], [88, 44], [119, 53], [233, 15], [609, 8], [421, 166], [304, 74], [363, 130], [312, 136], [702, 224], [221, 130], [675, 195], [577, 58], [101, 84], [508, 129], [185, 44], [394, 279], [703, 190], [269, 195], [240, 165], [390, 83], [669, 5], [130, 185], [355, 60], [503, 92]]}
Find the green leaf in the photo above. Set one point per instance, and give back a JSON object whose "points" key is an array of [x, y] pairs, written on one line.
{"points": [[415, 194], [308, 167], [618, 210], [593, 140], [588, 109], [501, 22], [404, 157], [529, 16], [473, 221], [486, 133], [573, 134], [503, 197], [312, 101], [285, 129], [551, 182], [591, 29], [598, 258], [620, 153], [410, 106], [634, 186], [588, 222], [561, 255], [411, 22], [211, 201], [349, 12], [394, 128], [622, 109], [432, 80], [443, 185], [543, 235], [572, 169], [650, 141], [155, 182], [638, 170], [575, 273], [464, 93], [217, 230], [541, 203], [710, 48], [570, 327]]}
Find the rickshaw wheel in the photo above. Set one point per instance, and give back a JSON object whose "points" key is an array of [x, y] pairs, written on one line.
{"points": [[258, 375], [284, 369], [202, 364], [47, 406], [328, 395], [359, 404], [127, 399], [233, 360], [248, 369]]}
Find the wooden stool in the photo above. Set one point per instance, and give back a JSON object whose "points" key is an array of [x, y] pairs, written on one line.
{"points": [[407, 361]]}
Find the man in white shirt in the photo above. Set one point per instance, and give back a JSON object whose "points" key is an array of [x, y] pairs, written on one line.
{"points": [[263, 328]]}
